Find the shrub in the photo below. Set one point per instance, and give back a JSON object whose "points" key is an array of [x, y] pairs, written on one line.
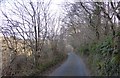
{"points": [[103, 57]]}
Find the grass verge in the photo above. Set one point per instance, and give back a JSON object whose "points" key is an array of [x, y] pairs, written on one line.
{"points": [[46, 68]]}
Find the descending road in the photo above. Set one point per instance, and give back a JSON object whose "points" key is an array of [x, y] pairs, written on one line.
{"points": [[73, 66]]}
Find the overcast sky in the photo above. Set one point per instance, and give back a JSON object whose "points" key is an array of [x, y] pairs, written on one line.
{"points": [[55, 6], [5, 5]]}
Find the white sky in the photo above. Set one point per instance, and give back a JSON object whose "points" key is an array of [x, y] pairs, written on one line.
{"points": [[55, 6], [5, 5]]}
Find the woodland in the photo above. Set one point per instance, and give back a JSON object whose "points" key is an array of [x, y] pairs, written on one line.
{"points": [[34, 39]]}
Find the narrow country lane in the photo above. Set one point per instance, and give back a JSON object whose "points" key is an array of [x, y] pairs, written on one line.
{"points": [[73, 66]]}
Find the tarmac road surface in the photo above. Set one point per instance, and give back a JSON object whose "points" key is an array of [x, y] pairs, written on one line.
{"points": [[73, 66]]}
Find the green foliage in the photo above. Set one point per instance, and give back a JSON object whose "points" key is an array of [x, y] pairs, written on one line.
{"points": [[118, 34], [42, 67], [102, 57], [84, 50]]}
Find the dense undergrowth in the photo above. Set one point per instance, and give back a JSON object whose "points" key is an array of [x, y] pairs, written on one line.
{"points": [[28, 68], [42, 67], [103, 57]]}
